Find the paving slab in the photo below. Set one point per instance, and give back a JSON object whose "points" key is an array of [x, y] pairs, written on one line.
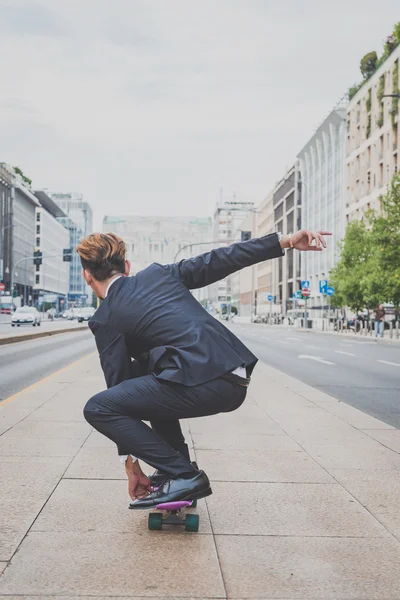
{"points": [[26, 485], [262, 465], [286, 509], [390, 439], [247, 419], [315, 568], [99, 505], [111, 564], [246, 441]]}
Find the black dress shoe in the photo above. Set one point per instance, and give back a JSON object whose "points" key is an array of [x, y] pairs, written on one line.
{"points": [[174, 490], [158, 477]]}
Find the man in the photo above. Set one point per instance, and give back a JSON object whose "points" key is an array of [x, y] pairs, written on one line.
{"points": [[186, 363], [379, 321]]}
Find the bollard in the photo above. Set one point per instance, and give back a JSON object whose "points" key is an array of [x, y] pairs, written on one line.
{"points": [[391, 329], [397, 330]]}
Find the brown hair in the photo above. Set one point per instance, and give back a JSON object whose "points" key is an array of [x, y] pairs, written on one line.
{"points": [[103, 255]]}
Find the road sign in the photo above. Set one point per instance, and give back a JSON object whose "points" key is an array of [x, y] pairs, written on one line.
{"points": [[67, 254], [305, 284], [330, 291], [270, 297], [245, 236], [323, 286], [305, 292], [1, 287], [298, 294], [84, 296]]}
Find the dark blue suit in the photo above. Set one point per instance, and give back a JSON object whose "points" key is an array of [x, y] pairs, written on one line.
{"points": [[181, 354]]}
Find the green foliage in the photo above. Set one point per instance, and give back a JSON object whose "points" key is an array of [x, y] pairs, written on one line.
{"points": [[396, 32], [22, 175], [395, 90], [368, 102], [368, 131], [353, 90], [379, 93], [368, 64], [351, 272], [368, 271]]}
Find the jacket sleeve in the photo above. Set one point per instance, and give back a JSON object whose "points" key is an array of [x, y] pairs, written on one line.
{"points": [[114, 356], [215, 265]]}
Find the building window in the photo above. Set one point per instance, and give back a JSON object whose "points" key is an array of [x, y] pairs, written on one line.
{"points": [[38, 242], [37, 268], [37, 278], [38, 229], [38, 217], [133, 248], [150, 247], [155, 247]]}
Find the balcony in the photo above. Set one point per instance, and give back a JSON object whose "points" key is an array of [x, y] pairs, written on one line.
{"points": [[394, 147], [381, 156]]}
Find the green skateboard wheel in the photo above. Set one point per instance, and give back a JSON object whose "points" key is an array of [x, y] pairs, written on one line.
{"points": [[155, 521], [192, 522]]}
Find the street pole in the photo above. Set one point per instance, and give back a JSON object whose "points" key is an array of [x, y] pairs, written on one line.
{"points": [[253, 287], [305, 313], [270, 312]]}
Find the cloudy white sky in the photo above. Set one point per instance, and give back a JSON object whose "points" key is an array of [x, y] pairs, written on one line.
{"points": [[152, 106]]}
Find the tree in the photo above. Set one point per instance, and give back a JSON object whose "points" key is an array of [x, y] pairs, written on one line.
{"points": [[349, 278], [385, 237], [368, 64], [396, 32]]}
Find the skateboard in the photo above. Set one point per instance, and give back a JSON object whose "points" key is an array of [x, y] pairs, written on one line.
{"points": [[173, 516]]}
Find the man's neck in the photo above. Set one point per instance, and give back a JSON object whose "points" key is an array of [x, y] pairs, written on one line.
{"points": [[105, 288]]}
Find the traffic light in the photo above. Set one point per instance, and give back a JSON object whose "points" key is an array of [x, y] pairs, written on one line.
{"points": [[245, 236], [67, 254], [37, 257]]}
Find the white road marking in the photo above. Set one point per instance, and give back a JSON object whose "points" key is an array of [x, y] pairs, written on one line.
{"points": [[386, 362], [346, 353], [282, 342], [292, 339], [312, 347], [316, 358], [347, 343]]}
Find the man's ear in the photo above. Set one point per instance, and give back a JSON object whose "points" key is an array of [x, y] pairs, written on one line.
{"points": [[87, 277], [127, 268]]}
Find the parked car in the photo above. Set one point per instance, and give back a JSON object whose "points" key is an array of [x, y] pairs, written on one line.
{"points": [[26, 315], [84, 314]]}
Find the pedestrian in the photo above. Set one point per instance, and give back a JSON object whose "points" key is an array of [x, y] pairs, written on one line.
{"points": [[379, 321], [185, 363]]}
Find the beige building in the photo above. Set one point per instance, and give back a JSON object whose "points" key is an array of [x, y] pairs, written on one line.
{"points": [[256, 282], [287, 218], [372, 139]]}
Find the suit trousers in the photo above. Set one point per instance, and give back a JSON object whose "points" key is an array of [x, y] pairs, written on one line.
{"points": [[119, 412]]}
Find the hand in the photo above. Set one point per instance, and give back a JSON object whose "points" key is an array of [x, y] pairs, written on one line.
{"points": [[303, 240], [138, 483]]}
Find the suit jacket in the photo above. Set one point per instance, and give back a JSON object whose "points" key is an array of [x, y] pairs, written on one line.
{"points": [[152, 317]]}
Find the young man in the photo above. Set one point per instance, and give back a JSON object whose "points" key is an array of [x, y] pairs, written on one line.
{"points": [[379, 321], [185, 363]]}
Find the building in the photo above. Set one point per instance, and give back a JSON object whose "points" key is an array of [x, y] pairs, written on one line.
{"points": [[51, 238], [286, 198], [78, 219], [264, 270], [21, 208], [372, 139], [227, 223], [5, 227], [247, 276], [322, 187], [161, 239], [73, 205]]}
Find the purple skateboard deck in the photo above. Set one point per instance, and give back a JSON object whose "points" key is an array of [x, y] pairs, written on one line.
{"points": [[174, 505]]}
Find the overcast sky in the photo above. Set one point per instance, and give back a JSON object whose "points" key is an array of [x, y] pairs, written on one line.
{"points": [[152, 106]]}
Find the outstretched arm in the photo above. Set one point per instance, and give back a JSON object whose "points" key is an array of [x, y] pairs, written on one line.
{"points": [[215, 265]]}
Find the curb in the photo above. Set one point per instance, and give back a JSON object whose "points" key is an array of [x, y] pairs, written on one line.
{"points": [[34, 336]]}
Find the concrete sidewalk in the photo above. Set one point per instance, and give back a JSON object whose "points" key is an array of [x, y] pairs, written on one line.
{"points": [[305, 505]]}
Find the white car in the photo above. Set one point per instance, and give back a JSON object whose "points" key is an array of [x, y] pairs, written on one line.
{"points": [[85, 313], [26, 315]]}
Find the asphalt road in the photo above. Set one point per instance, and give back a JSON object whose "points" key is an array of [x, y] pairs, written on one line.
{"points": [[24, 363], [359, 371], [6, 330]]}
